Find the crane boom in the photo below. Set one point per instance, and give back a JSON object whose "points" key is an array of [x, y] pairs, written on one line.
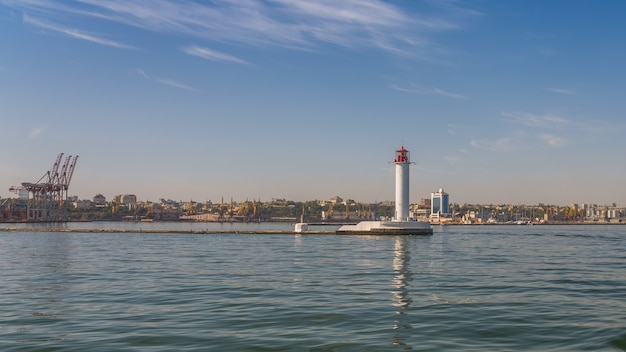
{"points": [[70, 172], [63, 174], [55, 168]]}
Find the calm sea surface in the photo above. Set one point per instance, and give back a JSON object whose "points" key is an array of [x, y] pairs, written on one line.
{"points": [[466, 288]]}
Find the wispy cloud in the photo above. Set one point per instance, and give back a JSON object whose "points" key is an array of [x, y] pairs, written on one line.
{"points": [[561, 91], [212, 55], [164, 81], [301, 24], [143, 74], [536, 121], [346, 11], [36, 132], [504, 144], [73, 33], [454, 6], [171, 83], [552, 140], [451, 159], [428, 91]]}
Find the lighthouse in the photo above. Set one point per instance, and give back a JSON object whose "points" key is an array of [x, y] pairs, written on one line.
{"points": [[401, 224], [402, 162]]}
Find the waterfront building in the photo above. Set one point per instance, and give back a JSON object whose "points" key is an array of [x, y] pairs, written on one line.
{"points": [[336, 200], [128, 200], [99, 200], [439, 203], [613, 213], [82, 204]]}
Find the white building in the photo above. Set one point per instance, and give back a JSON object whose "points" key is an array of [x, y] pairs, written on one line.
{"points": [[439, 203]]}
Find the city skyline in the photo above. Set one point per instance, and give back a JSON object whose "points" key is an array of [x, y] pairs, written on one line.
{"points": [[498, 103]]}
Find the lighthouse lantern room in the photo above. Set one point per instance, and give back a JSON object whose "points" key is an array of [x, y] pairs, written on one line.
{"points": [[402, 155]]}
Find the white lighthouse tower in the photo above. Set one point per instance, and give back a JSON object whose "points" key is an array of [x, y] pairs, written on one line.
{"points": [[401, 224], [402, 162]]}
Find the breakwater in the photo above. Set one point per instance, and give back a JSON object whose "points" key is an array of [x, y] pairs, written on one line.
{"points": [[170, 231]]}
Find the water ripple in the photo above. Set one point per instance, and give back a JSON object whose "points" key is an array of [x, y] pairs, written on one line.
{"points": [[464, 288]]}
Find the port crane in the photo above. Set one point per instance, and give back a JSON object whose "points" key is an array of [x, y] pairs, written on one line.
{"points": [[47, 197]]}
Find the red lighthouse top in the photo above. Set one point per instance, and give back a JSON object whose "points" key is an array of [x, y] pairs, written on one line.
{"points": [[402, 156]]}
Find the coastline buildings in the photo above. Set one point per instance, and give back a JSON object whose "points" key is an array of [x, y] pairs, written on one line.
{"points": [[14, 209], [437, 208]]}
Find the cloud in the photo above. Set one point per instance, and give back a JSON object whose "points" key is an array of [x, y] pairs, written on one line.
{"points": [[212, 55], [552, 140], [536, 121], [36, 132], [346, 11], [504, 144], [171, 83], [164, 81], [520, 139], [293, 24], [561, 91], [431, 91], [451, 129], [143, 74], [451, 159], [73, 33]]}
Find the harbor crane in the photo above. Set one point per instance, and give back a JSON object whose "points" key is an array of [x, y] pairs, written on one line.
{"points": [[47, 198]]}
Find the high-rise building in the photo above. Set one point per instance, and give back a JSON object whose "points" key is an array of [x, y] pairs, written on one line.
{"points": [[439, 203]]}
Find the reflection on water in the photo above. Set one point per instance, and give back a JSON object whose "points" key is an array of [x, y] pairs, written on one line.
{"points": [[400, 292], [297, 240]]}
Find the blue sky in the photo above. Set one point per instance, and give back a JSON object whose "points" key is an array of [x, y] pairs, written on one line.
{"points": [[498, 101]]}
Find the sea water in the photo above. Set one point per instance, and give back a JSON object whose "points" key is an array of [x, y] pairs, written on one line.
{"points": [[465, 288]]}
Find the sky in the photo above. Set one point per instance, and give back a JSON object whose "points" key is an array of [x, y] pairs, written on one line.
{"points": [[499, 102]]}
